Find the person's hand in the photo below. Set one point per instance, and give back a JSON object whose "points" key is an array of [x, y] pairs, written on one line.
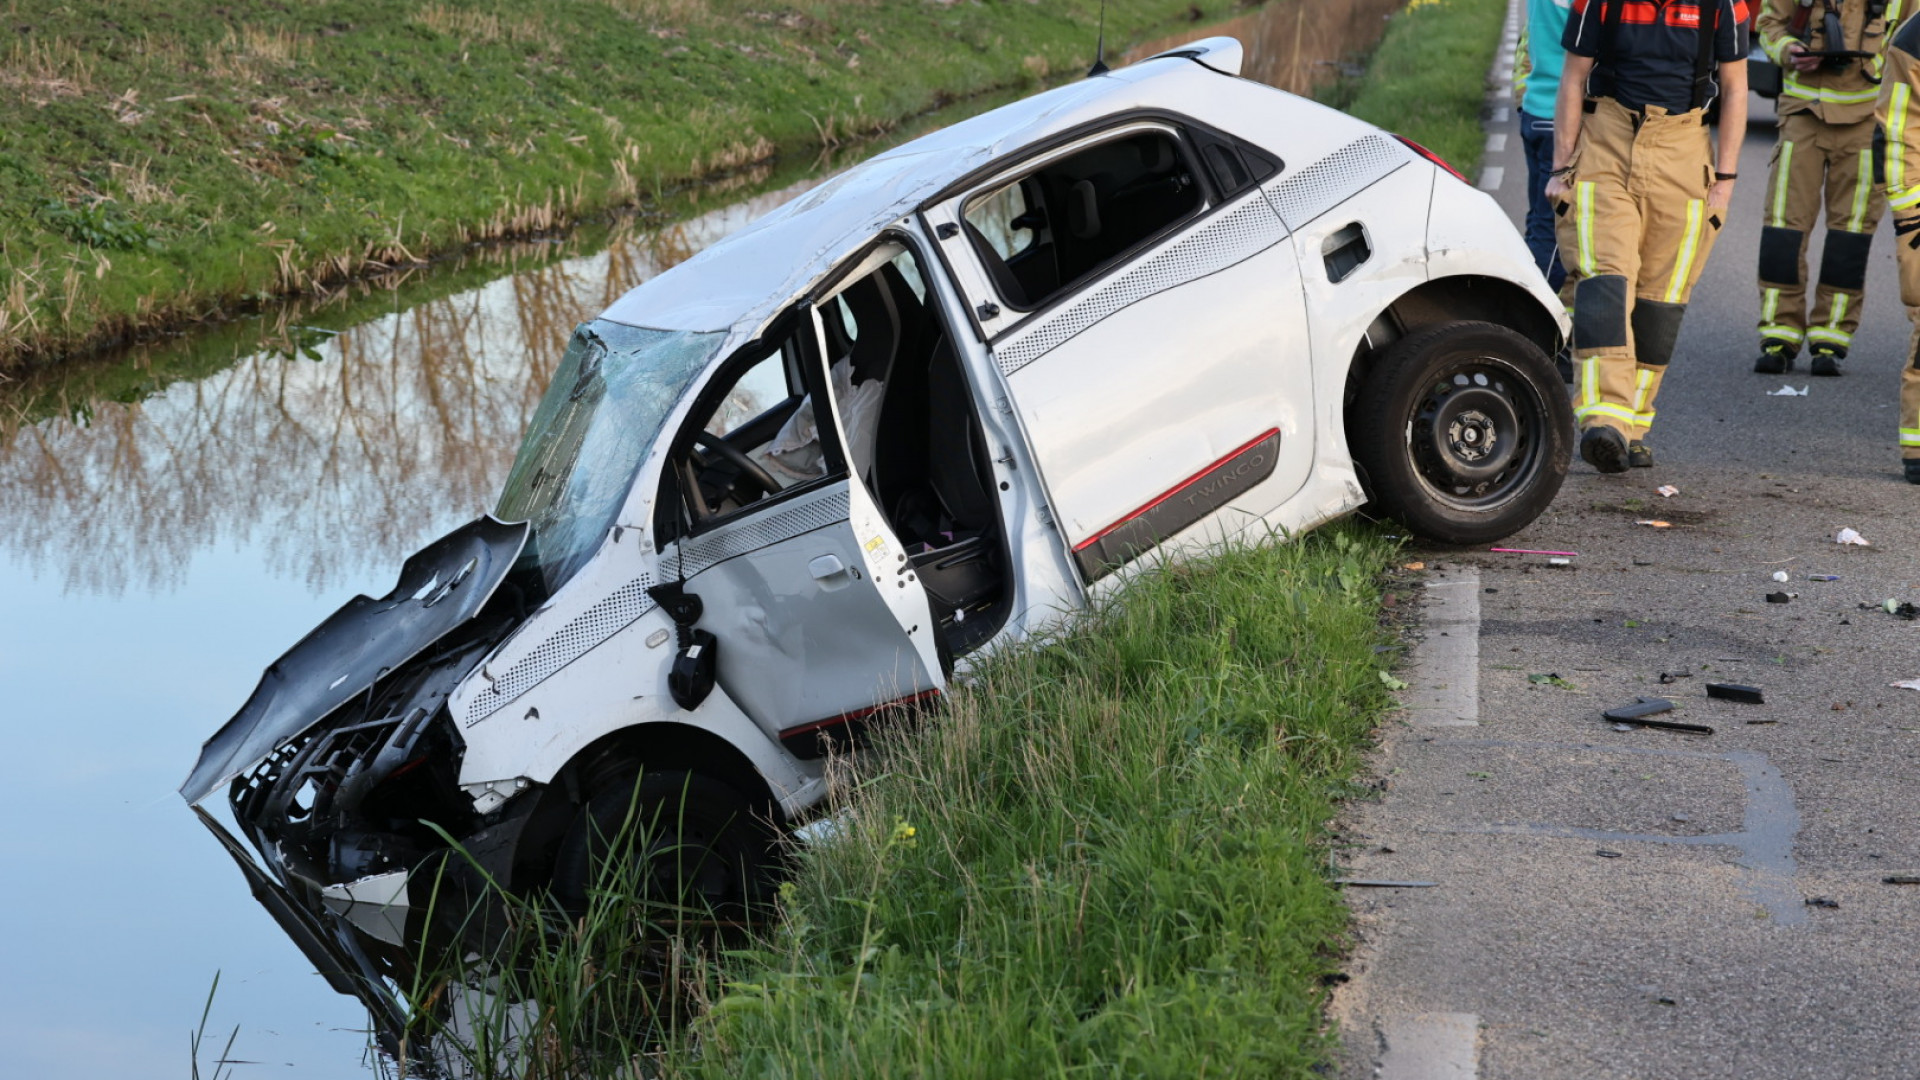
{"points": [[1720, 195], [1558, 188], [1796, 55]]}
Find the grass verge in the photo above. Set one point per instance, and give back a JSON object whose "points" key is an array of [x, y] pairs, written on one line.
{"points": [[1428, 78], [167, 162], [1107, 856]]}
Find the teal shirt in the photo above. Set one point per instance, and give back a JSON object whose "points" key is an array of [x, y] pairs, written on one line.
{"points": [[1546, 21]]}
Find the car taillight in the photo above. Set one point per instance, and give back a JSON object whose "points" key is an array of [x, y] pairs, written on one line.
{"points": [[1431, 156]]}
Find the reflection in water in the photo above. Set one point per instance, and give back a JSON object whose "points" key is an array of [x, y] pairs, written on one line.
{"points": [[333, 453]]}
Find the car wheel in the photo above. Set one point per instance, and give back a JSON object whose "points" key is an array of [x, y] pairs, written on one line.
{"points": [[675, 838], [1463, 432]]}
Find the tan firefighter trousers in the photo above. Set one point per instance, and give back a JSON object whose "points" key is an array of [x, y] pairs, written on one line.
{"points": [[1634, 234], [1906, 231], [1810, 156]]}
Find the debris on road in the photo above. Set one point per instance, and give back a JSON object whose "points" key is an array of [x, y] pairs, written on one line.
{"points": [[1822, 902], [1667, 677], [1823, 577], [1779, 597], [1850, 536], [1559, 562], [1667, 491], [1415, 566], [1727, 691], [1910, 684], [1654, 523], [1901, 879], [1788, 391], [1899, 609], [1780, 575], [1382, 883], [1641, 707], [1531, 551], [1626, 717], [1606, 854], [1551, 678]]}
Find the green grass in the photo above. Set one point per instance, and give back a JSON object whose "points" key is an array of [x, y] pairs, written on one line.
{"points": [[1107, 856], [1428, 78], [165, 162]]}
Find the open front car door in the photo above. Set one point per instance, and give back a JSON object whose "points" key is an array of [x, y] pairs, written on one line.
{"points": [[811, 616]]}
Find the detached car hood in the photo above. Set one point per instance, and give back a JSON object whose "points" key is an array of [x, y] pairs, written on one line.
{"points": [[441, 586]]}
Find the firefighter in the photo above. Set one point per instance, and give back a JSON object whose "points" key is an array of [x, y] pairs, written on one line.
{"points": [[1829, 52], [1899, 115], [1639, 201]]}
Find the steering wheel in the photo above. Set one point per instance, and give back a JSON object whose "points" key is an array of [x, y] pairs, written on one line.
{"points": [[749, 468]]}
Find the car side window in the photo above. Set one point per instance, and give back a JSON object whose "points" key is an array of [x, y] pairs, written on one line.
{"points": [[752, 437], [1044, 233]]}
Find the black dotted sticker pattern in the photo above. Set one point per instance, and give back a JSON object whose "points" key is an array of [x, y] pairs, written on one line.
{"points": [[1334, 179], [1227, 239]]}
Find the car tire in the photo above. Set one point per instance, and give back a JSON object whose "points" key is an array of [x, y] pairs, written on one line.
{"points": [[1463, 431], [675, 838]]}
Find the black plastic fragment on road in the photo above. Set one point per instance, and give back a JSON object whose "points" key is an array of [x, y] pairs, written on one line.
{"points": [[1667, 677], [1643, 707], [1727, 691], [1605, 854], [1638, 712], [1778, 598], [1383, 883], [1901, 879], [1822, 902]]}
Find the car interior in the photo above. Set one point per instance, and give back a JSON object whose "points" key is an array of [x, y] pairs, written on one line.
{"points": [[1044, 233], [911, 431]]}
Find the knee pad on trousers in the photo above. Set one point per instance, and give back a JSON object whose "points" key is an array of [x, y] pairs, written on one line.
{"points": [[1780, 255], [1843, 263], [1656, 326], [1600, 313]]}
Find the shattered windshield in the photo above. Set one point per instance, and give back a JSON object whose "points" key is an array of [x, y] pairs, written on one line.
{"points": [[609, 397]]}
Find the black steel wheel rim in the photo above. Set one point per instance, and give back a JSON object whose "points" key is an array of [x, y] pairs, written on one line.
{"points": [[1474, 436]]}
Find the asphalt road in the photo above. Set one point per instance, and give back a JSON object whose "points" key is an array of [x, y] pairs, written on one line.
{"points": [[1635, 903]]}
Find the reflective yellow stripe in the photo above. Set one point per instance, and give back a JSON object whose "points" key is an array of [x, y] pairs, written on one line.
{"points": [[1862, 191], [1583, 206], [1774, 48], [1906, 200], [1783, 333], [1839, 311], [1590, 381], [1778, 213], [1769, 307], [1909, 436], [1642, 381], [1617, 412], [1897, 145], [1794, 88], [1830, 336], [1689, 244]]}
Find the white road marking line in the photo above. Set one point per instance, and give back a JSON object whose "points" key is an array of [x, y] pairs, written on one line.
{"points": [[1443, 684], [1432, 1046], [1497, 142], [1490, 177], [1501, 114]]}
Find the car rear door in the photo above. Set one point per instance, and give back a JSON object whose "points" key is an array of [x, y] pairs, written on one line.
{"points": [[1135, 293], [817, 615]]}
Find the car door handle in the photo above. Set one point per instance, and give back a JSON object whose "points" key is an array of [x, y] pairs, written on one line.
{"points": [[826, 568]]}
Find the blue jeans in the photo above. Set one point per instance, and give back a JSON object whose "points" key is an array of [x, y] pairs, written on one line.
{"points": [[1536, 139]]}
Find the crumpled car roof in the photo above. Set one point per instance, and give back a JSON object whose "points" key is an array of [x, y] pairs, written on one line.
{"points": [[740, 282]]}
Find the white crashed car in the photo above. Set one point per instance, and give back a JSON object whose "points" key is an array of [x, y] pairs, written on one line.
{"points": [[934, 403]]}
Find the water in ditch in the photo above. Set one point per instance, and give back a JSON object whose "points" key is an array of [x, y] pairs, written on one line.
{"points": [[174, 519]]}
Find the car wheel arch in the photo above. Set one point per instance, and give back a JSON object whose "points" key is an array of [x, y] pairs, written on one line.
{"points": [[658, 746], [1458, 298]]}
